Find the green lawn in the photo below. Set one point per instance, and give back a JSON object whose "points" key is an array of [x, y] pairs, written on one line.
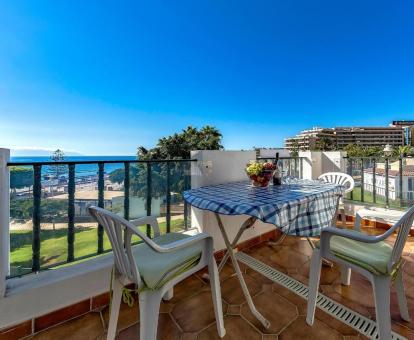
{"points": [[368, 198], [53, 247]]}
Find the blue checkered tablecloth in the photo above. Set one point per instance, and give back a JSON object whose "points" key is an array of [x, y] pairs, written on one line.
{"points": [[302, 208]]}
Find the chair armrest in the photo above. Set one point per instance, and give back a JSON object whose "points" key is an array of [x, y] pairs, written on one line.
{"points": [[184, 243], [351, 234], [151, 220], [173, 246]]}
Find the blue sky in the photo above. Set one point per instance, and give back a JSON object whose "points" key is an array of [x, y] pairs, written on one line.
{"points": [[102, 77]]}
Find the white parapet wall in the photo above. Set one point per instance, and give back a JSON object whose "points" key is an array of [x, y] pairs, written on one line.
{"points": [[216, 167], [4, 219], [272, 152], [315, 163]]}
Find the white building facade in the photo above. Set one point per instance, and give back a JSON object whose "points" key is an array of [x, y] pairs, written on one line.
{"points": [[393, 181]]}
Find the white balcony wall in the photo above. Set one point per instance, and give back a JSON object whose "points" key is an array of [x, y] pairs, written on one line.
{"points": [[333, 161], [315, 163], [4, 219], [311, 164], [216, 167], [272, 152]]}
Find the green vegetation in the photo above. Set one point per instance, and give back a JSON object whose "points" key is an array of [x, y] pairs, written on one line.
{"points": [[404, 151], [354, 150], [53, 210], [324, 144], [53, 248], [295, 148], [368, 198], [177, 146], [20, 177]]}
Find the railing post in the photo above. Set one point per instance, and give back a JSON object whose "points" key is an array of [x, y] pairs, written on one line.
{"points": [[401, 181], [71, 213], [168, 200], [301, 167], [4, 219], [126, 191], [362, 180], [149, 196], [374, 181], [350, 170], [37, 197], [187, 173], [387, 199], [296, 166], [281, 167], [101, 187]]}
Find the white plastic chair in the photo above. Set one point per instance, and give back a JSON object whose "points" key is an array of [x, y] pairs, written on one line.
{"points": [[342, 179], [370, 256], [383, 215], [155, 266]]}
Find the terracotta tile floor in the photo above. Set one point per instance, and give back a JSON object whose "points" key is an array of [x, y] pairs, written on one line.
{"points": [[189, 315]]}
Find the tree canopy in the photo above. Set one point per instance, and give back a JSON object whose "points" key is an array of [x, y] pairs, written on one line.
{"points": [[354, 150], [21, 177], [324, 144], [404, 151], [177, 146]]}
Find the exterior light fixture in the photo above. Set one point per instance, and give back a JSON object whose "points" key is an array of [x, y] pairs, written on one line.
{"points": [[388, 150]]}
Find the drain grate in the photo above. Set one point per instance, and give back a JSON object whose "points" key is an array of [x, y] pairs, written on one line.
{"points": [[357, 321]]}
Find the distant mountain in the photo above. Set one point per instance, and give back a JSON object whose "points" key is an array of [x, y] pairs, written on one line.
{"points": [[18, 152]]}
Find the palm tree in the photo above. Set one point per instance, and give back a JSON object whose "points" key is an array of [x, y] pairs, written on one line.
{"points": [[404, 150]]}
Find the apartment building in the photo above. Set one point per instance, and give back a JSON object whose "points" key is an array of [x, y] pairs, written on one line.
{"points": [[343, 136], [308, 139], [369, 136], [408, 127]]}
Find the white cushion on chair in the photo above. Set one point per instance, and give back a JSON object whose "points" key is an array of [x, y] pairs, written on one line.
{"points": [[156, 269]]}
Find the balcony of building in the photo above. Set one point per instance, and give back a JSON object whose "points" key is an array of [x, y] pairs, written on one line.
{"points": [[57, 275]]}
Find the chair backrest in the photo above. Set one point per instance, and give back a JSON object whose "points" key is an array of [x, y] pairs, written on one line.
{"points": [[119, 232], [339, 178], [404, 226]]}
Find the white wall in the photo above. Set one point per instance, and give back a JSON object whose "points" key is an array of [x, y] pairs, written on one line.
{"points": [[4, 218], [272, 152], [333, 161], [216, 167], [311, 164], [315, 163]]}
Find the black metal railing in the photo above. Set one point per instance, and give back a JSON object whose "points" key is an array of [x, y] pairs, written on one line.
{"points": [[144, 179], [380, 180], [289, 166]]}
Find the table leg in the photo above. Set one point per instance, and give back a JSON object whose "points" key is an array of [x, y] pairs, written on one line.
{"points": [[243, 285], [246, 225]]}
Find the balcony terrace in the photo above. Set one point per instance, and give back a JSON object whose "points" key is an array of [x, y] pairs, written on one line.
{"points": [[189, 315], [56, 281]]}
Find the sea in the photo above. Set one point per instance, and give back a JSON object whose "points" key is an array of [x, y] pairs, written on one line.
{"points": [[80, 169]]}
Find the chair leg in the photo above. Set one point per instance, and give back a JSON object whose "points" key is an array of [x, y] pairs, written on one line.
{"points": [[216, 295], [402, 301], [149, 307], [381, 285], [345, 275], [315, 274], [115, 304], [357, 223], [169, 294], [343, 217]]}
